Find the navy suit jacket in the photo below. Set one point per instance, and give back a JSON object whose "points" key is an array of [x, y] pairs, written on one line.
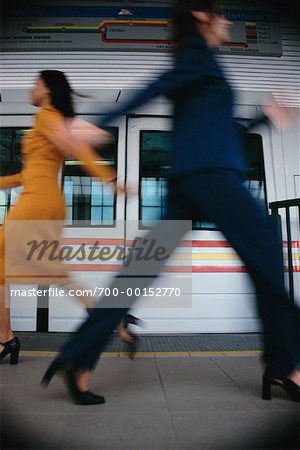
{"points": [[205, 135]]}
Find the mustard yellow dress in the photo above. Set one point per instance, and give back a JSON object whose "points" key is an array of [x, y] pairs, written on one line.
{"points": [[41, 198]]}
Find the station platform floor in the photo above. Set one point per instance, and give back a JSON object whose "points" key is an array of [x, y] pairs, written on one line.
{"points": [[169, 397]]}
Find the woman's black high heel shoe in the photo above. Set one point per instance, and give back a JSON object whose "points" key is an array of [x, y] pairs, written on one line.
{"points": [[285, 383], [133, 342], [79, 397], [11, 348]]}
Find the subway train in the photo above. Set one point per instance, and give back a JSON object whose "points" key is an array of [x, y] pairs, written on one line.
{"points": [[220, 296]]}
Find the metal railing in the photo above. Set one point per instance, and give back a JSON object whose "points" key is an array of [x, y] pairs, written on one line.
{"points": [[287, 205]]}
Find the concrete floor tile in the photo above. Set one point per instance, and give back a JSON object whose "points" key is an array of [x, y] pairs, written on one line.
{"points": [[152, 404], [125, 383], [235, 364], [196, 384], [125, 430], [37, 400], [183, 398], [247, 375], [28, 371], [32, 431], [191, 370], [234, 431]]}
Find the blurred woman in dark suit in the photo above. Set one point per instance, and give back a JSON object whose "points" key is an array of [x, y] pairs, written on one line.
{"points": [[207, 181]]}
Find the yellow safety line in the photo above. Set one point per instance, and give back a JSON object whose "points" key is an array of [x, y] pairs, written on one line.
{"points": [[219, 352]]}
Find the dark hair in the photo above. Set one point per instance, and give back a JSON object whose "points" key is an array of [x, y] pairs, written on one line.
{"points": [[60, 91], [184, 23]]}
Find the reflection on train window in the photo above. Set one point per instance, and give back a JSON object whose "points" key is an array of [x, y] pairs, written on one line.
{"points": [[10, 164], [155, 147], [10, 150], [14, 194], [90, 201], [3, 204], [256, 179]]}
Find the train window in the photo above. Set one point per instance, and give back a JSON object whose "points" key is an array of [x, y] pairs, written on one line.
{"points": [[89, 201], [10, 155], [155, 149], [10, 163], [3, 204], [256, 179]]}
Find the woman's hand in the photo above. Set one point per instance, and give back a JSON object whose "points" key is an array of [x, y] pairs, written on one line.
{"points": [[282, 117], [121, 188]]}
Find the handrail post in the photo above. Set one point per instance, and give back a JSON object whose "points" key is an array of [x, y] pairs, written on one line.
{"points": [[287, 204], [290, 253], [277, 222]]}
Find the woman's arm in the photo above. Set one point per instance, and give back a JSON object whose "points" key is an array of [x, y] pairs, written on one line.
{"points": [[11, 181], [278, 116], [193, 65], [52, 125]]}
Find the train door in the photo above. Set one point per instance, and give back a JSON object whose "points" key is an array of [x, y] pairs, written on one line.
{"points": [[95, 221], [94, 218], [222, 294], [13, 128]]}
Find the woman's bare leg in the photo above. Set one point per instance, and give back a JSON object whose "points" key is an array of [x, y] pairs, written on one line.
{"points": [[295, 376], [82, 378], [124, 334], [6, 333]]}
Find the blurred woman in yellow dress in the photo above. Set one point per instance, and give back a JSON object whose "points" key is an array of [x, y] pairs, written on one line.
{"points": [[44, 149]]}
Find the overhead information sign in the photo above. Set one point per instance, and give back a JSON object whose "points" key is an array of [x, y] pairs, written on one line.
{"points": [[254, 33], [82, 25]]}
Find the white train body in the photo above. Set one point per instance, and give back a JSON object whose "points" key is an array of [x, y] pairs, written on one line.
{"points": [[223, 298]]}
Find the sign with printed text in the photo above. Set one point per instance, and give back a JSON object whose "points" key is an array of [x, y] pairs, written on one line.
{"points": [[253, 33], [96, 26]]}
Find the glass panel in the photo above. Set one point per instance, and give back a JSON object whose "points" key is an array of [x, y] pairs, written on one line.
{"points": [[256, 179], [102, 203], [10, 163], [14, 194], [10, 150], [3, 210], [6, 150], [155, 147], [3, 204], [153, 199], [3, 197], [68, 191], [87, 198]]}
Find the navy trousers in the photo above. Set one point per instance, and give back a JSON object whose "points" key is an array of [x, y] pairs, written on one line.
{"points": [[221, 197]]}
